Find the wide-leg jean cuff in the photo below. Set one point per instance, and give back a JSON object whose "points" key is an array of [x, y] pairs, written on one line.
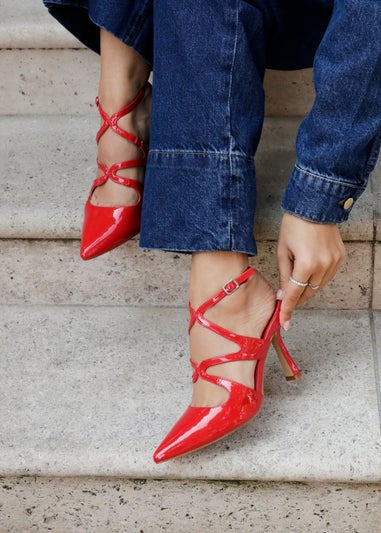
{"points": [[131, 21], [199, 201]]}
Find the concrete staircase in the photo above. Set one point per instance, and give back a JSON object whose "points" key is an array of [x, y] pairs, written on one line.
{"points": [[93, 357]]}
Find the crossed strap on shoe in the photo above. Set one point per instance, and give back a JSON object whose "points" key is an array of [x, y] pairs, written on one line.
{"points": [[251, 349], [112, 122], [105, 228]]}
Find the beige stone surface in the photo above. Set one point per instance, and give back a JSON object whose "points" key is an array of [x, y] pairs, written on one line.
{"points": [[289, 93], [27, 24], [48, 82], [47, 170], [43, 272], [377, 277], [51, 272], [376, 191], [91, 391], [377, 349], [135, 506]]}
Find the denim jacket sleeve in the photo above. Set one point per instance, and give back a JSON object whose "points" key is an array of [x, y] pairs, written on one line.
{"points": [[338, 142]]}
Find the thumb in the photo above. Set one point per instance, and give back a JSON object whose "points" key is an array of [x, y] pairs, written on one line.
{"points": [[285, 267]]}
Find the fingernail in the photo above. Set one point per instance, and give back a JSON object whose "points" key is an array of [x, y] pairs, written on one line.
{"points": [[279, 294], [286, 325]]}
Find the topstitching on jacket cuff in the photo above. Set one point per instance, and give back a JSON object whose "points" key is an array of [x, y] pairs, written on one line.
{"points": [[319, 198]]}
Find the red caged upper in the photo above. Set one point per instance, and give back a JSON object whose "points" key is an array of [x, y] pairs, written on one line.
{"points": [[105, 228], [201, 426]]}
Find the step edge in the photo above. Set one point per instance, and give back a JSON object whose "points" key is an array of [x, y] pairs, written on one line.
{"points": [[38, 36]]}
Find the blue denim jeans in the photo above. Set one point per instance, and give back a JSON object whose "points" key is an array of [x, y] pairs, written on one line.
{"points": [[129, 20], [209, 59]]}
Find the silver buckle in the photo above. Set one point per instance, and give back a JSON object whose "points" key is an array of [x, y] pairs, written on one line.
{"points": [[225, 287]]}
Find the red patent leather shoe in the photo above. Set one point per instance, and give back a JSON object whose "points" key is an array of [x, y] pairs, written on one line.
{"points": [[105, 228], [200, 426]]}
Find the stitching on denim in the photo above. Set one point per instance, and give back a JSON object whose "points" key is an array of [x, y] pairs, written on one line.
{"points": [[175, 249], [329, 180], [233, 60], [326, 220], [204, 154], [372, 160]]}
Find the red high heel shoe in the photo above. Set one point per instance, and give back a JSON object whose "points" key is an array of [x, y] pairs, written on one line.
{"points": [[105, 228], [200, 426]]}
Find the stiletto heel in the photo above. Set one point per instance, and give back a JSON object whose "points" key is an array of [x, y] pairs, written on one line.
{"points": [[200, 426], [105, 228], [290, 369]]}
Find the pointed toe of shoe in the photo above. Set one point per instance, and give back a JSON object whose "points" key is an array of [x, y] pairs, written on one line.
{"points": [[94, 244], [105, 228], [201, 426], [160, 455], [89, 251], [184, 437]]}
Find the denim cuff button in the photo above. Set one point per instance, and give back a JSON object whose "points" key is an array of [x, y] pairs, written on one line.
{"points": [[347, 204]]}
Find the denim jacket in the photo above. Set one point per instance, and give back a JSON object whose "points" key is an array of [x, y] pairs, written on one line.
{"points": [[339, 141]]}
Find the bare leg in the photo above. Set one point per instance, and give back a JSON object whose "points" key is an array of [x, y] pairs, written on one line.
{"points": [[123, 74], [245, 312]]}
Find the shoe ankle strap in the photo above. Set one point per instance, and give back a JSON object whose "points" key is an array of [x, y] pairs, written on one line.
{"points": [[229, 288], [111, 121]]}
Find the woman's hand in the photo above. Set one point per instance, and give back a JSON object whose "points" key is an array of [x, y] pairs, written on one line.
{"points": [[309, 252]]}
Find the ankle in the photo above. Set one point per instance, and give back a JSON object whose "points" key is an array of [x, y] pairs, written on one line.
{"points": [[114, 96], [254, 297], [211, 270], [123, 73]]}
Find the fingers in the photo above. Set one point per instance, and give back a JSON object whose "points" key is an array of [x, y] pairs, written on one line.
{"points": [[324, 276], [309, 291], [292, 296], [295, 295], [315, 285], [285, 266], [309, 252]]}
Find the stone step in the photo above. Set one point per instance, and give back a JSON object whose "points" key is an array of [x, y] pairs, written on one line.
{"points": [[43, 272], [48, 82], [27, 24], [47, 168], [48, 164], [74, 401], [112, 505], [40, 59]]}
